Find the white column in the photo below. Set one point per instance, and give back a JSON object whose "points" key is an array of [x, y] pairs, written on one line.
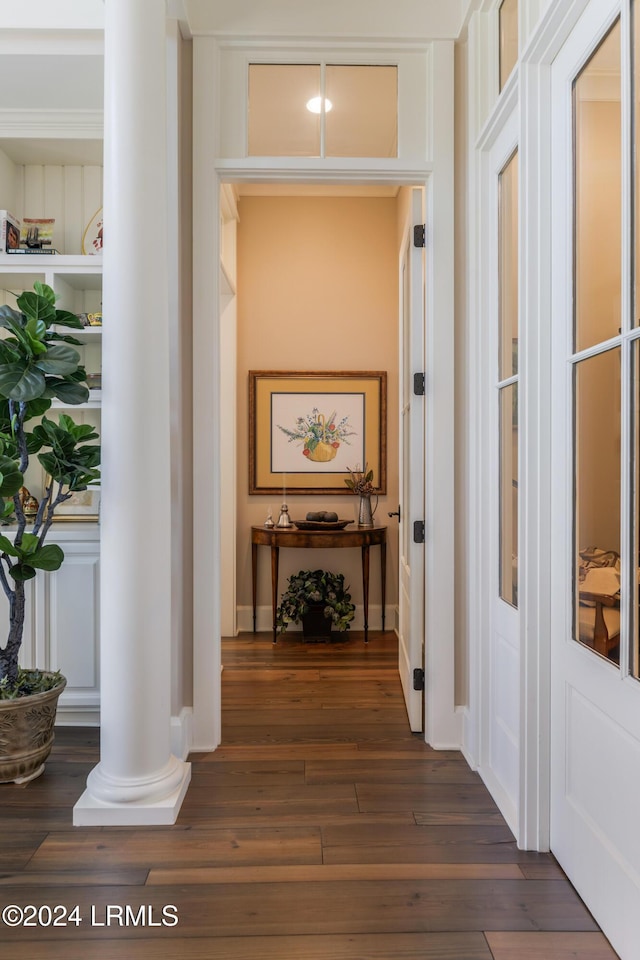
{"points": [[137, 781]]}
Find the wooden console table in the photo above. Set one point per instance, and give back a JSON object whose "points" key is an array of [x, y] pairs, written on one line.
{"points": [[276, 537]]}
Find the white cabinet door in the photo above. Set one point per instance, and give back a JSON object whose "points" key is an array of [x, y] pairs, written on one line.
{"points": [[62, 626], [71, 628]]}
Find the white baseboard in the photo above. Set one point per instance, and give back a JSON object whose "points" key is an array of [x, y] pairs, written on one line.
{"points": [[264, 619], [70, 715], [182, 733], [469, 739]]}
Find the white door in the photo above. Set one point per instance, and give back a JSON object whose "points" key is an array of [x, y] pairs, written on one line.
{"points": [[411, 458], [595, 690], [500, 662]]}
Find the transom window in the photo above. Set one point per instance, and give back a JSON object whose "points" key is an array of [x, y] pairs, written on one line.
{"points": [[323, 110]]}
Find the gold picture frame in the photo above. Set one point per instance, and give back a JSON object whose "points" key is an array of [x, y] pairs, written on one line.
{"points": [[306, 429], [82, 507]]}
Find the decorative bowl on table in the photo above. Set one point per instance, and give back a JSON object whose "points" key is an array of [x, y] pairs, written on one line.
{"points": [[321, 524], [321, 520]]}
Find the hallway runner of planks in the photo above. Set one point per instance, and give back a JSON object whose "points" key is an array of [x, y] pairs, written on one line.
{"points": [[321, 829]]}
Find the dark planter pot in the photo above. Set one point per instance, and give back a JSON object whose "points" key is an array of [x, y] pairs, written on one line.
{"points": [[315, 626]]}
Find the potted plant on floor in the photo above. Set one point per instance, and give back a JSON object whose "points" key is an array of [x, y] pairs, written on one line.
{"points": [[319, 600], [37, 364]]}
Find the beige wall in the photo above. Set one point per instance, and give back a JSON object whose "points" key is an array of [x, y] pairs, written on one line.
{"points": [[317, 290]]}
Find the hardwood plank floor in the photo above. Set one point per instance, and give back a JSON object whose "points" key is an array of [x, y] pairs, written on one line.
{"points": [[321, 829]]}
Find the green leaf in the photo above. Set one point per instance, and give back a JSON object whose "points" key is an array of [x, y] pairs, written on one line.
{"points": [[20, 381], [54, 466], [12, 321], [28, 545], [44, 290], [72, 393], [35, 408], [7, 546], [22, 571], [34, 444], [36, 328], [12, 478], [47, 558], [79, 376], [65, 337], [59, 360], [8, 353], [36, 346], [60, 440], [36, 306], [67, 319]]}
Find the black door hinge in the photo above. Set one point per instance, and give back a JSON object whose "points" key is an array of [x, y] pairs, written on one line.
{"points": [[419, 235], [418, 384], [418, 679], [418, 531]]}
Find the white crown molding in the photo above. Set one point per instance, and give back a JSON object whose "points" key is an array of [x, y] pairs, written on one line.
{"points": [[72, 124], [297, 170]]}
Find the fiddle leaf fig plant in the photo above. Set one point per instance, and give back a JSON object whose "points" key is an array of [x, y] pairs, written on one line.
{"points": [[37, 364]]}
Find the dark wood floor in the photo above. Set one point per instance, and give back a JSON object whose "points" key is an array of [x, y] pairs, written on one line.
{"points": [[322, 829]]}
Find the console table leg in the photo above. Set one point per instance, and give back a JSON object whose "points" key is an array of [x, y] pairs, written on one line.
{"points": [[254, 580], [365, 590], [275, 552], [383, 572]]}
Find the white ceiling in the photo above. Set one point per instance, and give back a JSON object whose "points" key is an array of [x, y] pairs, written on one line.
{"points": [[57, 152]]}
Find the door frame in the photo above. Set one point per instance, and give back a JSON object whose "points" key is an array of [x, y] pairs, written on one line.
{"points": [[530, 85], [497, 713], [443, 726]]}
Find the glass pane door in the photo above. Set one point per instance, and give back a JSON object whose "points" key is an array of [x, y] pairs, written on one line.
{"points": [[508, 377], [597, 362]]}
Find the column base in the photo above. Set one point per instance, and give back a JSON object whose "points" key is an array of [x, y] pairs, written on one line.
{"points": [[90, 811]]}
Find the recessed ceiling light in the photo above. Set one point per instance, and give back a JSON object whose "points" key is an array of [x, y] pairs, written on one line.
{"points": [[315, 105]]}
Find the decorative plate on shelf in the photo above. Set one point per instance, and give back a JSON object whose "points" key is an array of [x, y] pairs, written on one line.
{"points": [[92, 236], [321, 524]]}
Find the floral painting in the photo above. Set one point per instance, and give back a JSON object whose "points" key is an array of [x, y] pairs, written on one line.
{"points": [[319, 435], [307, 429], [316, 437]]}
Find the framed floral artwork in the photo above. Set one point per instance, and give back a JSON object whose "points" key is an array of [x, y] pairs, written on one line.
{"points": [[306, 430]]}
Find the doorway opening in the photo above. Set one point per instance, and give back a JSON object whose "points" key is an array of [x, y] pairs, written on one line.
{"points": [[312, 284]]}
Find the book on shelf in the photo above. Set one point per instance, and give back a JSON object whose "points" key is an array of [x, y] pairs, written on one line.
{"points": [[9, 231], [33, 251]]}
